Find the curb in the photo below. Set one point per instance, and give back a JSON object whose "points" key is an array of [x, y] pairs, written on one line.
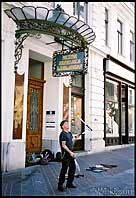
{"points": [[109, 148]]}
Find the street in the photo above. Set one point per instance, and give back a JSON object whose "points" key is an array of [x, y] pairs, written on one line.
{"points": [[41, 180]]}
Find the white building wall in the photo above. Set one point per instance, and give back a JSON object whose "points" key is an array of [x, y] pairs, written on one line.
{"points": [[53, 88], [11, 149], [53, 94], [95, 78], [8, 79]]}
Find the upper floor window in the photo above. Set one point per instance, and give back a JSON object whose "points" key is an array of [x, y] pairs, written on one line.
{"points": [[119, 31], [132, 47], [106, 26], [81, 10]]}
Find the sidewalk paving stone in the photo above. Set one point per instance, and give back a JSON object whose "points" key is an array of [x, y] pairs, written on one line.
{"points": [[42, 180]]}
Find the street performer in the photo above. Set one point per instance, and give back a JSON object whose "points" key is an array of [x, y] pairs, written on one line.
{"points": [[66, 143]]}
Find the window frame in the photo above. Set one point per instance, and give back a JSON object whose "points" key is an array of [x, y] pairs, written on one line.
{"points": [[77, 10], [132, 43], [120, 36], [106, 26]]}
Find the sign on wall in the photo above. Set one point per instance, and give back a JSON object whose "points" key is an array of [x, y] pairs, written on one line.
{"points": [[70, 62], [50, 119]]}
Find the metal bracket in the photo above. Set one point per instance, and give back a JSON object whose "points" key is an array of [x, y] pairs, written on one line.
{"points": [[18, 49], [19, 45]]}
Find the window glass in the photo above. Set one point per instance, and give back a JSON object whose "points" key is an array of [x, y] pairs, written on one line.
{"points": [[80, 9], [132, 47], [35, 69], [119, 32], [112, 108], [34, 110], [76, 110], [111, 90], [77, 81], [106, 26], [65, 102], [131, 111]]}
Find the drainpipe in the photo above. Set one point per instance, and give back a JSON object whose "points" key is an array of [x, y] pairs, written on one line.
{"points": [[6, 156]]}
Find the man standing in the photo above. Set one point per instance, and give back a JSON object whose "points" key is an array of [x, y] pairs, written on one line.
{"points": [[66, 144]]}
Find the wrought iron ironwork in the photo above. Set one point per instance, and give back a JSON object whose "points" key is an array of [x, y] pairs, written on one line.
{"points": [[67, 30], [19, 45], [18, 49]]}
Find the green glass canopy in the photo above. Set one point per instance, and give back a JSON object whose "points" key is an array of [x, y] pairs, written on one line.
{"points": [[66, 30]]}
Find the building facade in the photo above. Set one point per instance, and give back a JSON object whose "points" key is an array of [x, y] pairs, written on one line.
{"points": [[34, 102]]}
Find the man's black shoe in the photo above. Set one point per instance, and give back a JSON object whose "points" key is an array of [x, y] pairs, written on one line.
{"points": [[70, 186], [60, 188]]}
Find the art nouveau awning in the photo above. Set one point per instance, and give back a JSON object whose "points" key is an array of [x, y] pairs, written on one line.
{"points": [[66, 30]]}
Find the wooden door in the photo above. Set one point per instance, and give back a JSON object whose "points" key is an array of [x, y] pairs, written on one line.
{"points": [[34, 115]]}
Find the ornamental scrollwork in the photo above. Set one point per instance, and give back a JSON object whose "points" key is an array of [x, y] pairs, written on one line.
{"points": [[18, 49]]}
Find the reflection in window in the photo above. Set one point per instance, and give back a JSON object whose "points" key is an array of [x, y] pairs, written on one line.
{"points": [[123, 118], [77, 81], [132, 47], [111, 90], [81, 10], [76, 110], [65, 102], [34, 110], [131, 110], [35, 69], [112, 109], [123, 110]]}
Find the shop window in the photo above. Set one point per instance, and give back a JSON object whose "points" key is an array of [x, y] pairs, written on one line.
{"points": [[112, 108], [76, 110], [131, 111], [132, 47]]}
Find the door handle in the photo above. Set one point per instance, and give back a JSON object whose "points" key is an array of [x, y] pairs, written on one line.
{"points": [[27, 124]]}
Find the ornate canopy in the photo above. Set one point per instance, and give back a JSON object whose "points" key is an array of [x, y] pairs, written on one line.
{"points": [[34, 21]]}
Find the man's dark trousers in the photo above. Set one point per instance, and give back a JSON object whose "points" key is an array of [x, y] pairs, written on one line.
{"points": [[67, 163]]}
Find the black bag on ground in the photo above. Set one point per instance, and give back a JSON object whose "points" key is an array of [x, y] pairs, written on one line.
{"points": [[44, 161], [50, 154], [58, 156]]}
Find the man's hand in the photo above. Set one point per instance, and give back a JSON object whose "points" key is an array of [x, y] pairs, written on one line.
{"points": [[72, 154], [78, 135], [67, 149]]}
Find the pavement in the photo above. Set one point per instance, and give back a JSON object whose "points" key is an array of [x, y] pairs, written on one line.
{"points": [[41, 180]]}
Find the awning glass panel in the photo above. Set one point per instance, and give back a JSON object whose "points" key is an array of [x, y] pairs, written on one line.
{"points": [[41, 13], [71, 22], [83, 28], [29, 12], [88, 31], [79, 24], [10, 15], [89, 36], [53, 15], [62, 18], [18, 13]]}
